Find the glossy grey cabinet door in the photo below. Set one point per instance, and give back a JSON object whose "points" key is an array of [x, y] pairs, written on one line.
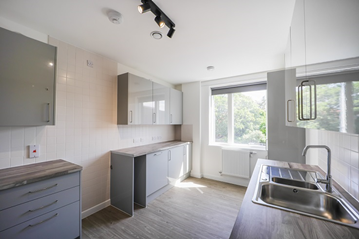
{"points": [[175, 106], [134, 100], [27, 81], [156, 171], [161, 101]]}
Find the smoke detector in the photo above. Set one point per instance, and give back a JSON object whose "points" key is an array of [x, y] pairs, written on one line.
{"points": [[114, 17]]}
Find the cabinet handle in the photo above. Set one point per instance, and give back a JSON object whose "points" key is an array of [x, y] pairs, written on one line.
{"points": [[169, 155], [154, 117], [43, 189], [288, 111], [312, 113], [171, 118], [48, 205], [48, 113], [33, 225], [156, 154], [130, 116]]}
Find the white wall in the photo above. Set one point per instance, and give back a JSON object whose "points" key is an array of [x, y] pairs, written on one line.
{"points": [[345, 157], [191, 128], [212, 154], [86, 128]]}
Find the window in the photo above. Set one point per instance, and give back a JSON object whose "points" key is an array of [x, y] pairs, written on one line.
{"points": [[239, 115]]}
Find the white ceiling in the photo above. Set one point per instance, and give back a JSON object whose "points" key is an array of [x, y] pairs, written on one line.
{"points": [[235, 36]]}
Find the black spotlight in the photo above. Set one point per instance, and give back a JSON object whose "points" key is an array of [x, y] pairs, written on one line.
{"points": [[159, 21], [144, 8], [161, 18], [170, 32]]}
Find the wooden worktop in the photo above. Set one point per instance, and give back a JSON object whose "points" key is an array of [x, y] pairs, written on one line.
{"points": [[258, 221], [22, 175], [149, 148]]}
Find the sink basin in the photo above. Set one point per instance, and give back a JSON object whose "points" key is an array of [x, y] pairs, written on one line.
{"points": [[295, 183], [297, 191], [308, 202]]}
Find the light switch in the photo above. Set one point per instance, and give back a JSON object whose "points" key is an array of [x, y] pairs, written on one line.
{"points": [[34, 151]]}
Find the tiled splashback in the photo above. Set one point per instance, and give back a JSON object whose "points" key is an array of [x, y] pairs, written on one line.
{"points": [[345, 160], [86, 128]]}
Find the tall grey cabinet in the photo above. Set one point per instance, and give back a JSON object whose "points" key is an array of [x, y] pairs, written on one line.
{"points": [[284, 143], [27, 81]]}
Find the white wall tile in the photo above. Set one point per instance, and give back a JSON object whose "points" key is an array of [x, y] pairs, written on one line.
{"points": [[86, 128], [345, 158]]}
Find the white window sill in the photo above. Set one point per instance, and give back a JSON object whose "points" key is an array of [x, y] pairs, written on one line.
{"points": [[239, 146]]}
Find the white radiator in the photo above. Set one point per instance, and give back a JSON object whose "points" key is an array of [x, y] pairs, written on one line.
{"points": [[236, 163]]}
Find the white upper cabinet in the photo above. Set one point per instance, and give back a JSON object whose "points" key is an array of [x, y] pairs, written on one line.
{"points": [[161, 103], [175, 107]]}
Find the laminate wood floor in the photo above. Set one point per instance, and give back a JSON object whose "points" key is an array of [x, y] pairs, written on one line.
{"points": [[199, 208]]}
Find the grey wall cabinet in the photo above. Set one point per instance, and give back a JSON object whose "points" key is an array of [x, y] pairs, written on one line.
{"points": [[156, 171], [284, 143], [27, 81], [176, 106], [38, 210], [143, 102], [161, 101], [134, 100]]}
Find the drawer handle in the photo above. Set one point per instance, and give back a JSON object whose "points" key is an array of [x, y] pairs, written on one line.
{"points": [[43, 189], [34, 210], [33, 225]]}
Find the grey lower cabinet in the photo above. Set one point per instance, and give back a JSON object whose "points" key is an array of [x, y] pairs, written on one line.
{"points": [[141, 179], [156, 171], [46, 209]]}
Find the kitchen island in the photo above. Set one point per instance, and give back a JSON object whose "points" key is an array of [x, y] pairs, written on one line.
{"points": [[258, 221]]}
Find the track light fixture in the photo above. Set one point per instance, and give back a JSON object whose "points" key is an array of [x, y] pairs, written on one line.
{"points": [[161, 19], [144, 8]]}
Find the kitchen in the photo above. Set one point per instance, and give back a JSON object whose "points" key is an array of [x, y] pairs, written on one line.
{"points": [[86, 108]]}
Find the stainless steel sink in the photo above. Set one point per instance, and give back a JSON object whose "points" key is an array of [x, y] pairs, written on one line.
{"points": [[296, 190]]}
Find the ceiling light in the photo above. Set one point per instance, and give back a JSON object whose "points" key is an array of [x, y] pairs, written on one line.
{"points": [[170, 32], [159, 21], [156, 35], [144, 8], [114, 17]]}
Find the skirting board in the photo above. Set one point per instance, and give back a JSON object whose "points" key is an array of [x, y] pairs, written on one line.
{"points": [[96, 208], [196, 175], [226, 179]]}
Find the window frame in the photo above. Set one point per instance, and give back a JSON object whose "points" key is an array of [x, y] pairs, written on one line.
{"points": [[229, 90]]}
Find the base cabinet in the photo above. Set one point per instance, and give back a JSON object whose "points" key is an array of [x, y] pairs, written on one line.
{"points": [[156, 171], [142, 178], [49, 208]]}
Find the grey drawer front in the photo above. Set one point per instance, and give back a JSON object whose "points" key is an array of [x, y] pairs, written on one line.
{"points": [[17, 195], [57, 224], [20, 213]]}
